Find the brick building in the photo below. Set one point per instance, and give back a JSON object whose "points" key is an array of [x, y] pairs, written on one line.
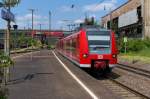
{"points": [[131, 19]]}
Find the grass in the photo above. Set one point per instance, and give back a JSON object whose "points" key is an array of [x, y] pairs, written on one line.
{"points": [[145, 52], [143, 55], [3, 97]]}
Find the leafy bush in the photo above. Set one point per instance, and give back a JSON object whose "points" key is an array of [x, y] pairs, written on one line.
{"points": [[134, 45], [5, 61], [147, 42], [3, 93], [50, 47], [121, 45]]}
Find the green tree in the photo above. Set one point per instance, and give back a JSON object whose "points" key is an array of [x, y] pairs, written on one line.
{"points": [[10, 3], [89, 21], [21, 40]]}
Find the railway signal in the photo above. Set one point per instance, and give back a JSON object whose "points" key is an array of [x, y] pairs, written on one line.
{"points": [[125, 40]]}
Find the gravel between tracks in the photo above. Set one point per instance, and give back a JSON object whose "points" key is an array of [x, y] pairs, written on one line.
{"points": [[134, 81]]}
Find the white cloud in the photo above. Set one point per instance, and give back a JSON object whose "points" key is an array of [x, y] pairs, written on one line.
{"points": [[24, 21], [41, 22], [78, 21], [60, 22], [107, 5], [114, 1], [29, 17], [36, 24]]}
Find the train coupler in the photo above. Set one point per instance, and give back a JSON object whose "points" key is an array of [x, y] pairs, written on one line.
{"points": [[100, 64]]}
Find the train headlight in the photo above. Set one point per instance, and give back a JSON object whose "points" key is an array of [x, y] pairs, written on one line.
{"points": [[85, 55], [114, 56]]}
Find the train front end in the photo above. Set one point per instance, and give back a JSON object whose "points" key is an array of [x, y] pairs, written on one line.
{"points": [[98, 50]]}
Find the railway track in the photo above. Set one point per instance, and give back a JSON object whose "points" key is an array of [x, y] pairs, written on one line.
{"points": [[135, 70], [122, 90]]}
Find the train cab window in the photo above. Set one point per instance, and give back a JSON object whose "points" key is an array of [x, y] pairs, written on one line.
{"points": [[99, 42]]}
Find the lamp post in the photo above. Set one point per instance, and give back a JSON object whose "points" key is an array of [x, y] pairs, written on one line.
{"points": [[110, 17], [50, 17], [41, 34], [7, 39], [7, 4], [68, 23], [111, 20], [32, 11]]}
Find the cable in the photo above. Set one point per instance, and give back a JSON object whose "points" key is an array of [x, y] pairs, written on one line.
{"points": [[99, 4]]}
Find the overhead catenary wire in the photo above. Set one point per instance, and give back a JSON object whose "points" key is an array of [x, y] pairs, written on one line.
{"points": [[95, 7], [102, 1]]}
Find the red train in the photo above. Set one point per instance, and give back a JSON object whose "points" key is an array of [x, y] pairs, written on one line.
{"points": [[90, 47]]}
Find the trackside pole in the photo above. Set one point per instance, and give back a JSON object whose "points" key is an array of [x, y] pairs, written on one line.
{"points": [[125, 40]]}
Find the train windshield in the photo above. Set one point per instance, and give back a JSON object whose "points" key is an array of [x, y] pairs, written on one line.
{"points": [[99, 42]]}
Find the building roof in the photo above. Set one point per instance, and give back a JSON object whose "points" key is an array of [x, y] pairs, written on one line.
{"points": [[117, 8]]}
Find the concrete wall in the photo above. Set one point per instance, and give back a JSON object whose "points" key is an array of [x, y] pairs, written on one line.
{"points": [[147, 18], [130, 5]]}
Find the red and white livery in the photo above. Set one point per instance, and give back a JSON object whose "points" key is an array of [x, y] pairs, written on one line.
{"points": [[90, 47]]}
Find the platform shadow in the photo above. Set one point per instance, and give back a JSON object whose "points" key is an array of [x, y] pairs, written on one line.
{"points": [[25, 78]]}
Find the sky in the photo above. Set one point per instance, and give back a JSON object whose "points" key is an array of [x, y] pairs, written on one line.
{"points": [[62, 12]]}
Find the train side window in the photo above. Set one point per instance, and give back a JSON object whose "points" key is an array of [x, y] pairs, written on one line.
{"points": [[67, 45], [78, 42]]}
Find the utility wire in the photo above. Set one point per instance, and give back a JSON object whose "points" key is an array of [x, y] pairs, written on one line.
{"points": [[99, 4]]}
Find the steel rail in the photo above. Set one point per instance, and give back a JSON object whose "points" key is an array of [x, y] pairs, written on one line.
{"points": [[135, 70], [138, 94]]}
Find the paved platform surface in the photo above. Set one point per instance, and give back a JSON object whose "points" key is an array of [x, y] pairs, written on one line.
{"points": [[43, 77]]}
